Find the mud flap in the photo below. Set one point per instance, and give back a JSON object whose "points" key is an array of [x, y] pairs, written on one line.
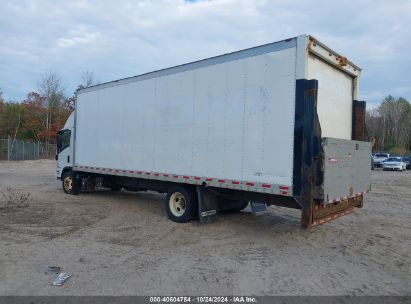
{"points": [[258, 207], [207, 205]]}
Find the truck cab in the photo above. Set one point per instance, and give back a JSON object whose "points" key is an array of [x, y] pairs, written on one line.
{"points": [[64, 140]]}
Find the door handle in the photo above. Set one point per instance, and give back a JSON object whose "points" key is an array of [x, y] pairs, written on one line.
{"points": [[68, 158]]}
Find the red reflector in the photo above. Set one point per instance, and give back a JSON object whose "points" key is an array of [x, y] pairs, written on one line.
{"points": [[235, 183], [284, 192], [132, 172], [166, 175], [147, 173], [283, 187], [175, 176], [196, 178], [209, 179], [266, 186], [139, 172], [186, 177], [124, 171], [221, 181], [156, 174], [250, 184]]}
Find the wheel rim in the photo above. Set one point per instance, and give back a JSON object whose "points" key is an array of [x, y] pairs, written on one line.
{"points": [[177, 204], [68, 183]]}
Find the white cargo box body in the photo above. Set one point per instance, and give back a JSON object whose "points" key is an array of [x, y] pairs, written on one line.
{"points": [[227, 121]]}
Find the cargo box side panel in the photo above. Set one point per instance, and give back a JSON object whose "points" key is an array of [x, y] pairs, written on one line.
{"points": [[244, 119], [115, 127], [232, 120], [347, 169]]}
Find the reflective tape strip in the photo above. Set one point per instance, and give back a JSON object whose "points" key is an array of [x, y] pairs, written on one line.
{"points": [[329, 218], [196, 180]]}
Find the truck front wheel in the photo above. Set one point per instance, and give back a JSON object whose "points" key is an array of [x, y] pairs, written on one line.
{"points": [[70, 183], [180, 205]]}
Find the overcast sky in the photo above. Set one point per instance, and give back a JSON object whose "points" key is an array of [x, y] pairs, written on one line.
{"points": [[117, 39]]}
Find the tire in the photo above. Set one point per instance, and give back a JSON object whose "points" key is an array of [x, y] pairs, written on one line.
{"points": [[70, 183], [232, 206], [181, 204]]}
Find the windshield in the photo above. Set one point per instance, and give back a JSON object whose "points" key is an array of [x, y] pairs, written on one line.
{"points": [[394, 159]]}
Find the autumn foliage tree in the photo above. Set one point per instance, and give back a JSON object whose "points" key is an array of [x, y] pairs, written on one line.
{"points": [[28, 119], [35, 116], [43, 112], [10, 118]]}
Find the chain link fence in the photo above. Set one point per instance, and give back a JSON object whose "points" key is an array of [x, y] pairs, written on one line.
{"points": [[11, 149]]}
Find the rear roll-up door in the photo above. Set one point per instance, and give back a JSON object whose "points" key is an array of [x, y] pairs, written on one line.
{"points": [[335, 97]]}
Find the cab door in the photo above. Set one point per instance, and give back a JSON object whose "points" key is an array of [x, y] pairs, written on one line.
{"points": [[64, 151]]}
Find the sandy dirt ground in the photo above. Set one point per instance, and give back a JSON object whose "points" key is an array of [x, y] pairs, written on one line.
{"points": [[121, 243]]}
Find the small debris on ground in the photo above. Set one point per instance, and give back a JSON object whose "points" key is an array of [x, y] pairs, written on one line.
{"points": [[10, 199], [53, 269], [61, 278]]}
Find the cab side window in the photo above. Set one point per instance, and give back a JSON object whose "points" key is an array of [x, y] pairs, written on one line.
{"points": [[63, 140]]}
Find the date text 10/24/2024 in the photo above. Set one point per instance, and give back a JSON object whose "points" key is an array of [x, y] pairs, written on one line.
{"points": [[203, 299]]}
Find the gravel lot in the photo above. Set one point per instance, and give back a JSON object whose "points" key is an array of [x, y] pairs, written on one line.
{"points": [[121, 243]]}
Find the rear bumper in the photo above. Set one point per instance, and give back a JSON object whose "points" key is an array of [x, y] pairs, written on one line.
{"points": [[393, 168], [323, 215]]}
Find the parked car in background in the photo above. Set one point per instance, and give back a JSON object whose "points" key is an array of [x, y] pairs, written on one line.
{"points": [[407, 162], [379, 158], [394, 163]]}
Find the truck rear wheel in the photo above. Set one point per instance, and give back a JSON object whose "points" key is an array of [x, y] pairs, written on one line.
{"points": [[180, 205], [70, 183]]}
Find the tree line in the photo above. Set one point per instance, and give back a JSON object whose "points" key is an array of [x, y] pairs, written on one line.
{"points": [[389, 126], [43, 112]]}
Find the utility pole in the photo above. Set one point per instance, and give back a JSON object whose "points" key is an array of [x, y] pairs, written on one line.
{"points": [[8, 147]]}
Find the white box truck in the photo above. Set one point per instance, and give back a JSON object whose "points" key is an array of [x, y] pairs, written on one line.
{"points": [[278, 124]]}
